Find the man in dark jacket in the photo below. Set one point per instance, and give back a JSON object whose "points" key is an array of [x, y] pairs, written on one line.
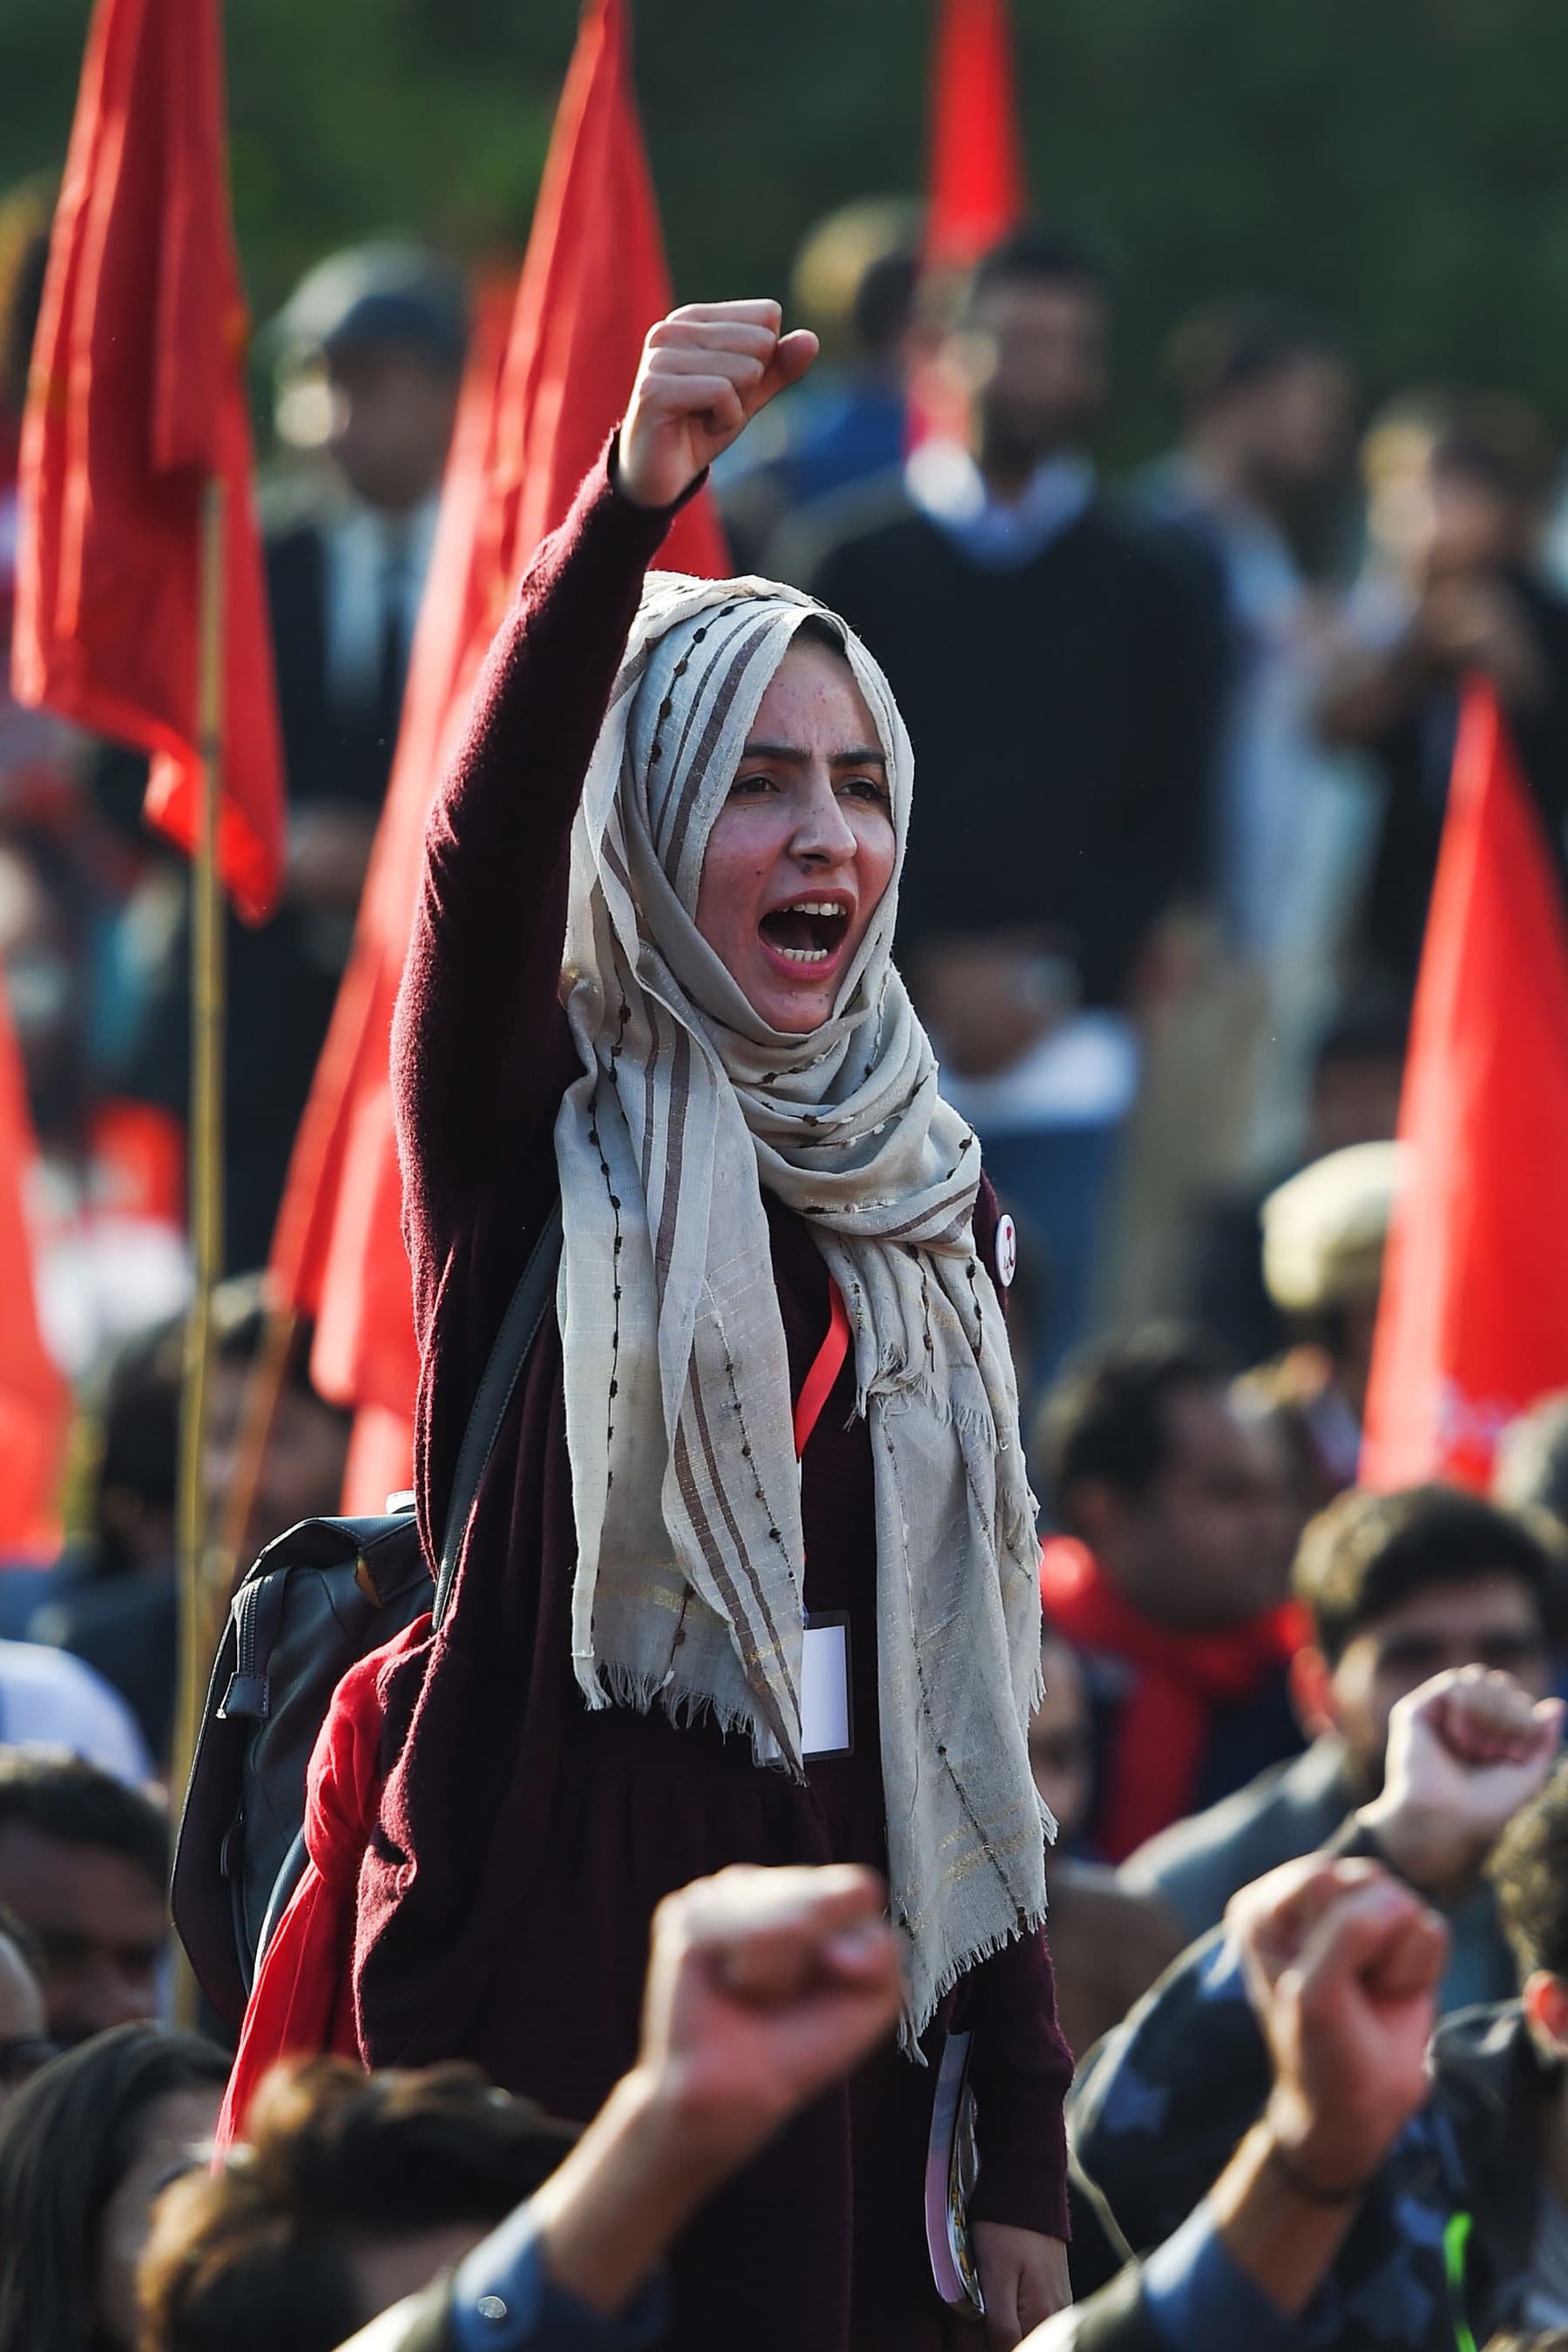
{"points": [[1398, 1588], [1460, 2230], [1044, 656]]}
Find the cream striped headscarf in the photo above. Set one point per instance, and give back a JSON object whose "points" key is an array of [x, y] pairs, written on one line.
{"points": [[684, 1481]]}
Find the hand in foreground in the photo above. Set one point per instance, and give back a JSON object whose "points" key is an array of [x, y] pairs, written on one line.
{"points": [[1024, 2278], [764, 1987], [1343, 1965], [1464, 1752], [705, 372]]}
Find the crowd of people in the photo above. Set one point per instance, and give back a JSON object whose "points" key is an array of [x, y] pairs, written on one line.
{"points": [[1181, 738]]}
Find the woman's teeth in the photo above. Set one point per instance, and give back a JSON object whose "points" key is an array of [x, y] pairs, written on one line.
{"points": [[791, 931]]}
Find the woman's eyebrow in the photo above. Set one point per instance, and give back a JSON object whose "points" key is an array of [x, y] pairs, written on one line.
{"points": [[792, 755]]}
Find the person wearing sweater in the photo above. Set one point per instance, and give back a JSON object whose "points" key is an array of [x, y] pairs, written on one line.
{"points": [[752, 1574]]}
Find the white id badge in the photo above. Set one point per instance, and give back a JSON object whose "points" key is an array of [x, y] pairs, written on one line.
{"points": [[825, 1716]]}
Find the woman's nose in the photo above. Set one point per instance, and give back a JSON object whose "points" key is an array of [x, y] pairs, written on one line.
{"points": [[822, 831]]}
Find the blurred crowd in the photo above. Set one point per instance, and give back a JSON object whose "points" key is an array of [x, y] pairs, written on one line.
{"points": [[1184, 734]]}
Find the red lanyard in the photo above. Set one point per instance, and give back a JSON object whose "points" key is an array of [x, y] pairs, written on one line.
{"points": [[818, 1386]]}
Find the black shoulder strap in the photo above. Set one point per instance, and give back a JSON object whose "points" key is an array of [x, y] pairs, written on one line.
{"points": [[531, 1302]]}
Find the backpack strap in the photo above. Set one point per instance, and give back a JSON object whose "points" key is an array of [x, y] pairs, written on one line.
{"points": [[530, 1302]]}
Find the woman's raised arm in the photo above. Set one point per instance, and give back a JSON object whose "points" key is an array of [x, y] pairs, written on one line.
{"points": [[479, 1040]]}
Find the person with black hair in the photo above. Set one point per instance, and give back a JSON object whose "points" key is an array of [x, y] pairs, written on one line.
{"points": [[349, 2191], [1462, 2229], [112, 1600], [1397, 1588], [84, 1863], [1036, 642], [1169, 1577], [85, 2148], [1458, 487]]}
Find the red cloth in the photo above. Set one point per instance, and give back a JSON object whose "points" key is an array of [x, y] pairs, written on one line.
{"points": [[1151, 1773], [543, 394], [1473, 1322], [137, 396], [301, 2000], [34, 1401], [977, 179]]}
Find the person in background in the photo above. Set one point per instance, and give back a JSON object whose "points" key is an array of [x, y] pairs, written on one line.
{"points": [[764, 1987], [1170, 1578], [1338, 1963], [1107, 1944], [85, 2149], [1458, 486], [349, 2191], [25, 2045], [1461, 2226], [1324, 1234], [370, 352], [1398, 1588], [1268, 396], [845, 430], [112, 1600], [307, 1446], [1358, 1069], [1033, 639], [1246, 509], [84, 1864]]}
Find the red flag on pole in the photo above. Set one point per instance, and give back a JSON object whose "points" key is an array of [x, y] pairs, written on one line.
{"points": [[137, 398], [538, 401], [1473, 1322], [978, 190], [34, 1402]]}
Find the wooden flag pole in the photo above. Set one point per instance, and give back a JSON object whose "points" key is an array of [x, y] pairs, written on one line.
{"points": [[198, 1628]]}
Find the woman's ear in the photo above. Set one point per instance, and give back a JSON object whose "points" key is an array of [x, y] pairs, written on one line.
{"points": [[1312, 1692]]}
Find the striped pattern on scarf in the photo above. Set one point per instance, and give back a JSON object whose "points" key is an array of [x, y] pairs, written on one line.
{"points": [[686, 1490]]}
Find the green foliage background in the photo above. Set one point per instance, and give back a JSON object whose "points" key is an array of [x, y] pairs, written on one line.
{"points": [[1403, 161]]}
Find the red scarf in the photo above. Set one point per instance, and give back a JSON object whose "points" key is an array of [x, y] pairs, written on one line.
{"points": [[1149, 1778], [301, 2000]]}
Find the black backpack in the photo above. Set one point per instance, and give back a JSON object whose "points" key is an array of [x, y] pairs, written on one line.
{"points": [[320, 1597]]}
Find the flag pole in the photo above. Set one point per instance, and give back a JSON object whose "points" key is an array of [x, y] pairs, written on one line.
{"points": [[197, 1631]]}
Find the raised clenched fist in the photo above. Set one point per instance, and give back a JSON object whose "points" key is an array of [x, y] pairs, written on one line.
{"points": [[705, 372]]}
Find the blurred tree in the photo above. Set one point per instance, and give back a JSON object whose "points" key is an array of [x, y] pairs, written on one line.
{"points": [[1400, 161]]}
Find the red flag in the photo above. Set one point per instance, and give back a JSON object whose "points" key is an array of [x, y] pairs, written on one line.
{"points": [[33, 1404], [977, 179], [137, 397], [1473, 1322], [539, 400]]}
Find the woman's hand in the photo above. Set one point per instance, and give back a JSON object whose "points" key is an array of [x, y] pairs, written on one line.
{"points": [[705, 372], [1024, 2278]]}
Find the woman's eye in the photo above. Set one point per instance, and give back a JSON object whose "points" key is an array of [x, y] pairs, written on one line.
{"points": [[752, 785], [869, 788]]}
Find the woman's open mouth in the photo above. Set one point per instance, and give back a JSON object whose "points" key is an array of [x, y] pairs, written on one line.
{"points": [[809, 933]]}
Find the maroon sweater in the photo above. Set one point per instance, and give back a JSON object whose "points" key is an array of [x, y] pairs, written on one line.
{"points": [[524, 1841]]}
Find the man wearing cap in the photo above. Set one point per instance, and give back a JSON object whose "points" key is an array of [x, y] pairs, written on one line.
{"points": [[1397, 1588], [1323, 1237], [368, 353]]}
